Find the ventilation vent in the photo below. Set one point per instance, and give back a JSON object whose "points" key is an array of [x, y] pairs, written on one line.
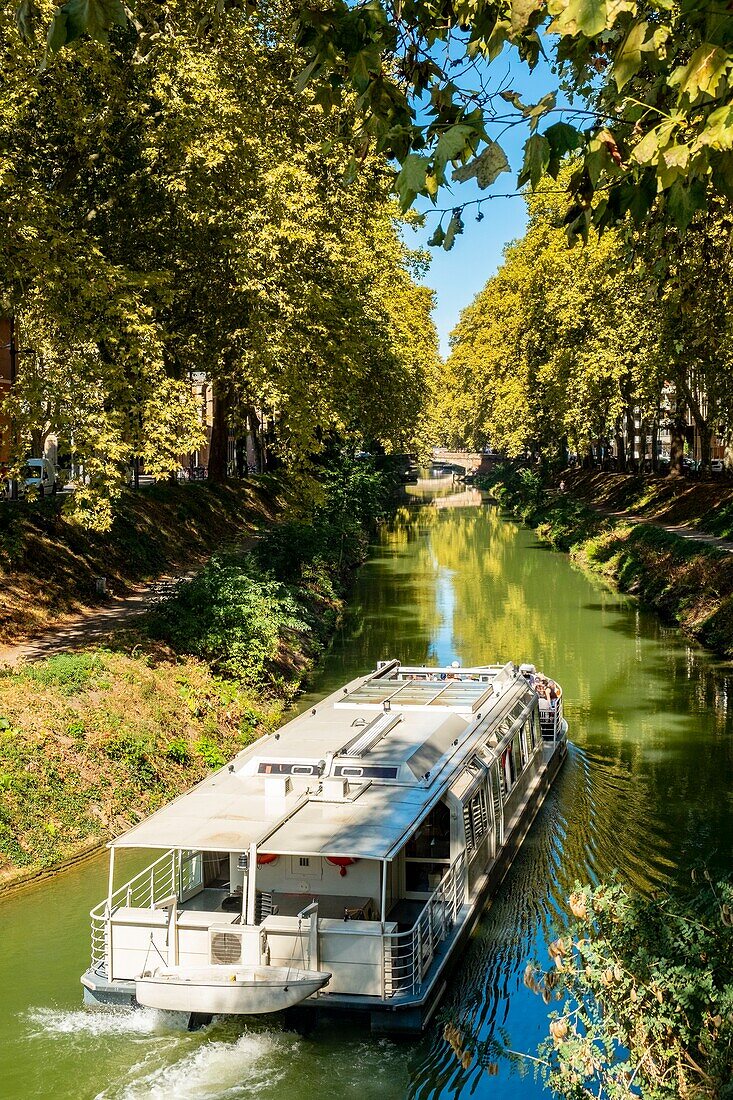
{"points": [[226, 948]]}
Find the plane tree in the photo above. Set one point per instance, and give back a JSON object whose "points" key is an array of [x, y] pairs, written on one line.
{"points": [[646, 104]]}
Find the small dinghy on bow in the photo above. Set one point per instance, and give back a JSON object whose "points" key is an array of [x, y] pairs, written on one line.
{"points": [[232, 990]]}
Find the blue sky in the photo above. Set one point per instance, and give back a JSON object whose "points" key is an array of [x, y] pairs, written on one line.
{"points": [[458, 275]]}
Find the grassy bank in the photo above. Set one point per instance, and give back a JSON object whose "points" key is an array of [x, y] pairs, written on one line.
{"points": [[93, 740], [688, 583], [704, 505], [49, 564]]}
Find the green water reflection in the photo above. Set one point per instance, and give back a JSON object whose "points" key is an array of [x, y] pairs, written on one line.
{"points": [[647, 791]]}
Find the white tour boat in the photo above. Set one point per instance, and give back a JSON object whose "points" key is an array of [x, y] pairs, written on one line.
{"points": [[341, 862]]}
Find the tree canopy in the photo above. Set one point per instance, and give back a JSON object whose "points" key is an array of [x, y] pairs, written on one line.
{"points": [[169, 208], [566, 347], [650, 87]]}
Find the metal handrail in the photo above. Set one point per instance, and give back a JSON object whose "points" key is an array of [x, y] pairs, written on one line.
{"points": [[407, 956], [144, 891], [551, 720]]}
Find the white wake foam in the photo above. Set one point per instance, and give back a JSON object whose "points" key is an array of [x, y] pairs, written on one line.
{"points": [[103, 1021], [214, 1070]]}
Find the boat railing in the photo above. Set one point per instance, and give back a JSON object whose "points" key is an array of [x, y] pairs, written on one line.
{"points": [[158, 881], [551, 718], [408, 955]]}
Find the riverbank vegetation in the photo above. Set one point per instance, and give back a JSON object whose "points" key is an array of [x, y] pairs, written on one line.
{"points": [[648, 990], [688, 582], [92, 740], [49, 563]]}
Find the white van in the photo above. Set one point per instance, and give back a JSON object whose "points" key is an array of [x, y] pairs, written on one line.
{"points": [[39, 475]]}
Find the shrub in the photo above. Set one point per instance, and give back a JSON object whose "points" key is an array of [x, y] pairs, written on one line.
{"points": [[231, 615], [133, 749], [178, 751], [69, 673], [210, 753], [650, 995]]}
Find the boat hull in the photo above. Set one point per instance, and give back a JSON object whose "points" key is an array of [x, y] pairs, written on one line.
{"points": [[227, 990]]}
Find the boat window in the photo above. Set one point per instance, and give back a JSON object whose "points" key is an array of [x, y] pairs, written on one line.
{"points": [[423, 877], [476, 820], [432, 838], [508, 770]]}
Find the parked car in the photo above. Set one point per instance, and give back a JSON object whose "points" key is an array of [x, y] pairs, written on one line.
{"points": [[717, 465], [39, 475]]}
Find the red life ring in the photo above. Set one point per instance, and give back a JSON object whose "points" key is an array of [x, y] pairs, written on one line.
{"points": [[342, 862], [265, 858]]}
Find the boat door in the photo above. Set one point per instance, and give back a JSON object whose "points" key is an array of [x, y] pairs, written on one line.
{"points": [[190, 875]]}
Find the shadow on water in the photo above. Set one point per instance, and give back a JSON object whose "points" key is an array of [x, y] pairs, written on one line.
{"points": [[645, 793]]}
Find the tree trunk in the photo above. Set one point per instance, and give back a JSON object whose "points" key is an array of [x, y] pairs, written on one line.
{"points": [[705, 448], [241, 456], [655, 446], [643, 432], [630, 439], [677, 441], [219, 449], [254, 450], [620, 447], [702, 424]]}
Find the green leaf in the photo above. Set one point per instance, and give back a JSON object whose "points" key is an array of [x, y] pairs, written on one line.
{"points": [[577, 223], [410, 180], [78, 17], [451, 145], [704, 71], [485, 168], [532, 111], [536, 159], [651, 145], [304, 75], [57, 35], [437, 238], [563, 138], [683, 201], [581, 17], [673, 164], [535, 112], [627, 61], [26, 17], [521, 14], [360, 71], [718, 131], [515, 99], [722, 173]]}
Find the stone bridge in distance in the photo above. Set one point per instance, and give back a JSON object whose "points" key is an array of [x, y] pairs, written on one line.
{"points": [[468, 462]]}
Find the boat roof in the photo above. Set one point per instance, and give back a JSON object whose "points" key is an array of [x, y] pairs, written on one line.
{"points": [[352, 776]]}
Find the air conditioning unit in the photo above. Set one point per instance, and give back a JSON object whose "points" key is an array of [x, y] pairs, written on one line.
{"points": [[226, 947]]}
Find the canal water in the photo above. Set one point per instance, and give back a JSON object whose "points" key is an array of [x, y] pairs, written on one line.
{"points": [[646, 793]]}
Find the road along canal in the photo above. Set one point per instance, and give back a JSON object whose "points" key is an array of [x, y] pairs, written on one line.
{"points": [[646, 791]]}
